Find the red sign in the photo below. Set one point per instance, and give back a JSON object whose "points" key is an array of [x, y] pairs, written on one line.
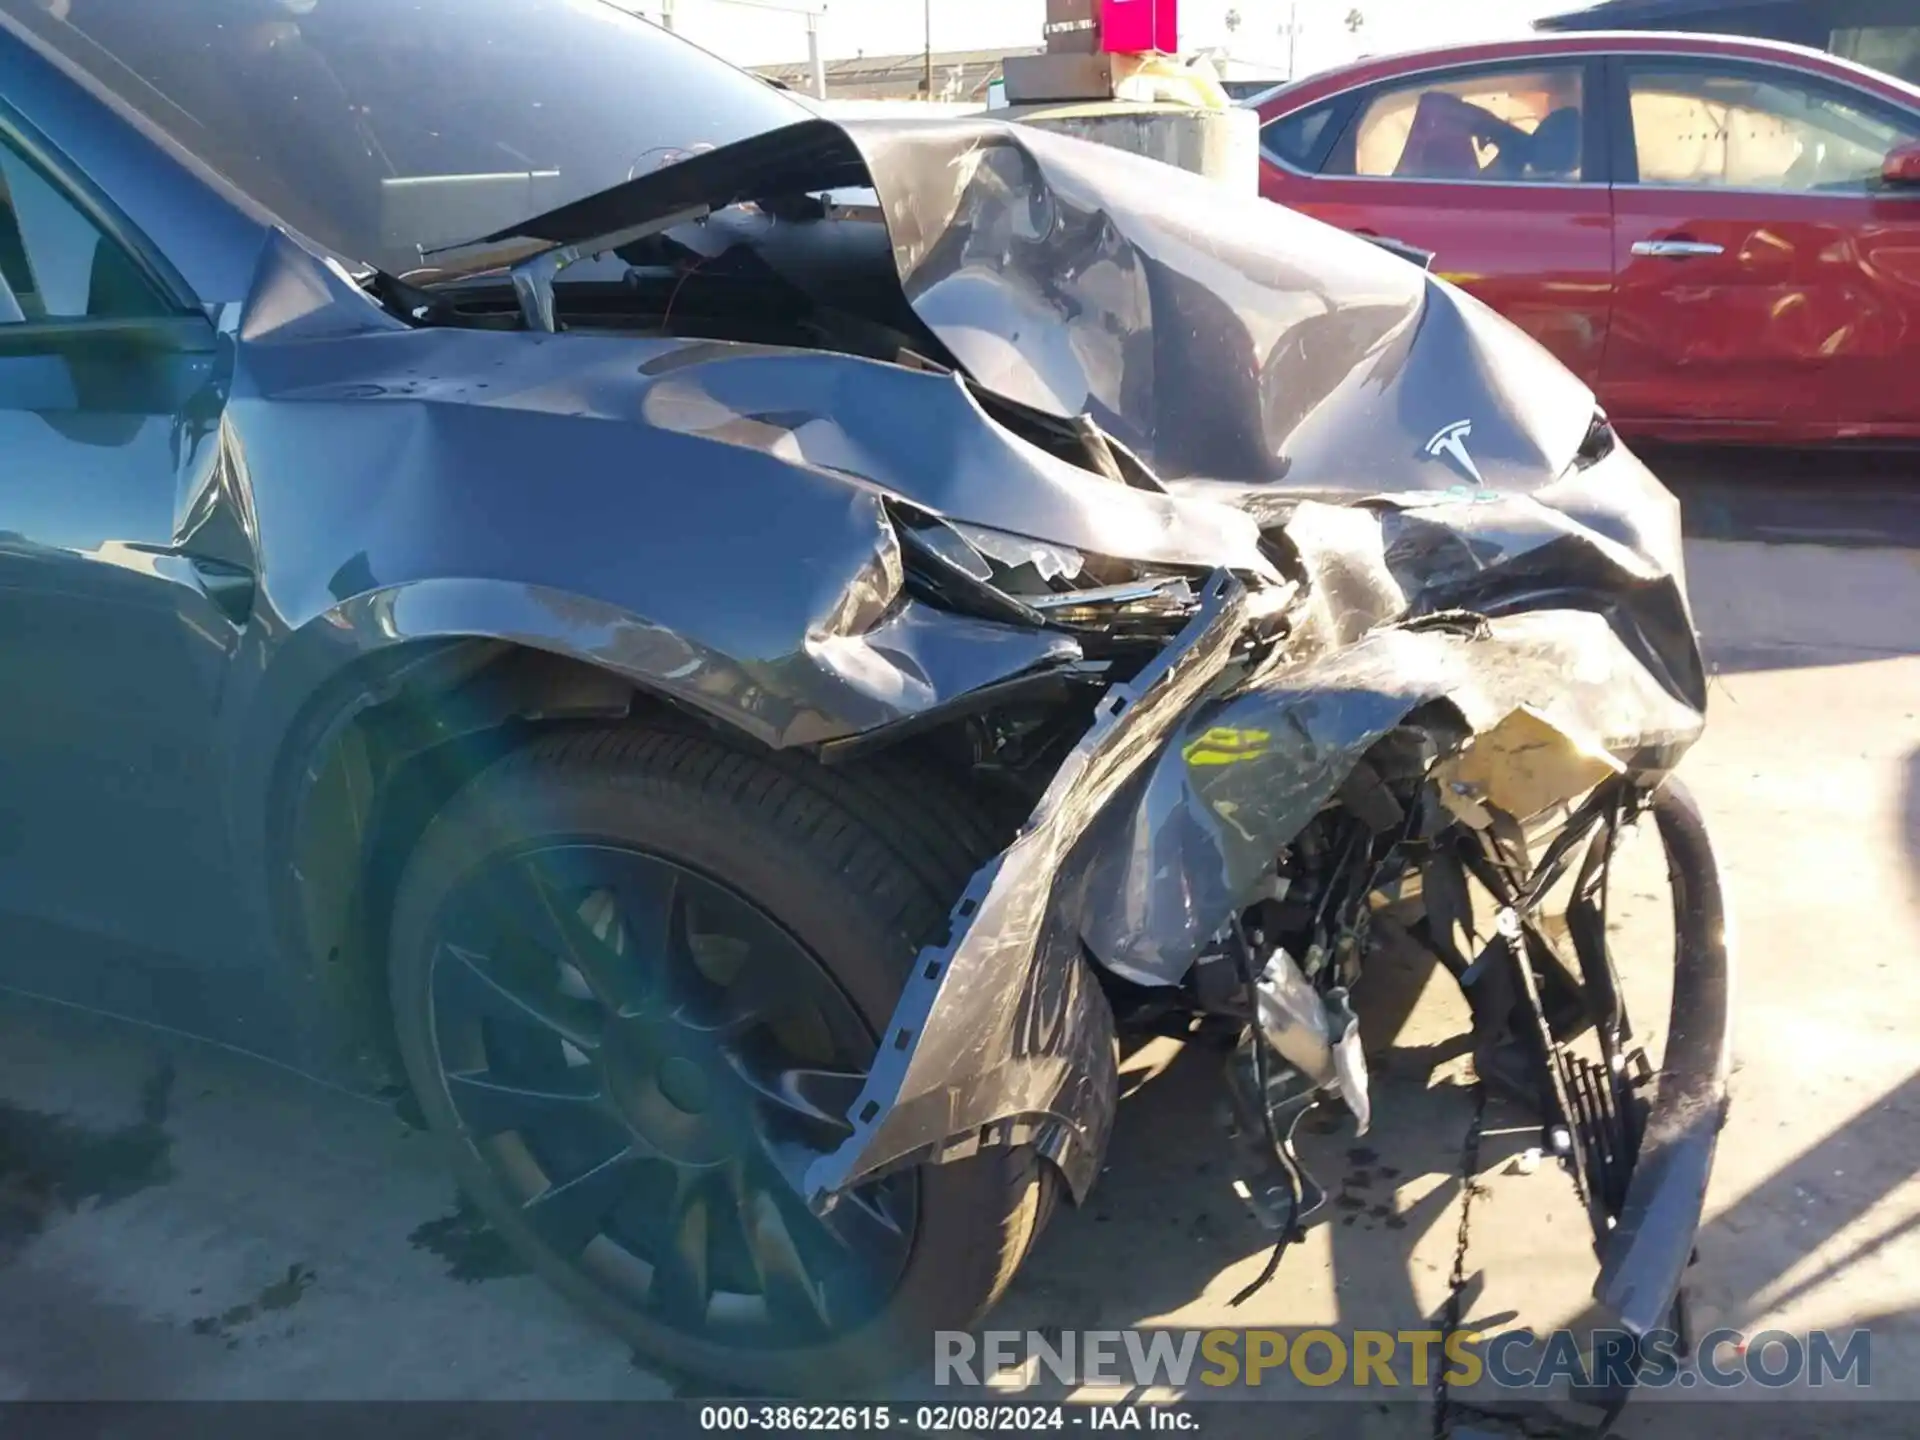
{"points": [[1136, 27]]}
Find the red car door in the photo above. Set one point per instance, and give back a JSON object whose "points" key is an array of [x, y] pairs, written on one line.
{"points": [[1768, 284], [1499, 169]]}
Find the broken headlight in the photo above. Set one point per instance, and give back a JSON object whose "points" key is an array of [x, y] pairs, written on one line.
{"points": [[1598, 444], [1018, 578]]}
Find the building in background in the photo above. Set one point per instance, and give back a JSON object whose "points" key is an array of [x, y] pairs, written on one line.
{"points": [[1882, 33], [960, 77], [1252, 40]]}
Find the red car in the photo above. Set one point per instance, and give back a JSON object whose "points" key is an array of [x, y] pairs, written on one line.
{"points": [[1721, 236]]}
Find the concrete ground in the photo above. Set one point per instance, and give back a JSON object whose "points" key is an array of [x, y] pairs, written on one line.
{"points": [[178, 1222]]}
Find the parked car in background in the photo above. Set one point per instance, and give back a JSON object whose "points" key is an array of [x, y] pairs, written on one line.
{"points": [[1721, 236]]}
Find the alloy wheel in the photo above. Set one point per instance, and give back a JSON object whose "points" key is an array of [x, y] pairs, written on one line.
{"points": [[646, 1063]]}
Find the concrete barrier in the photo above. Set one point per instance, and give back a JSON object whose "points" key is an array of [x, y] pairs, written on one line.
{"points": [[1223, 145]]}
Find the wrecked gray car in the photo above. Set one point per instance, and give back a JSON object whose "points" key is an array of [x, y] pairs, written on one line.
{"points": [[731, 694]]}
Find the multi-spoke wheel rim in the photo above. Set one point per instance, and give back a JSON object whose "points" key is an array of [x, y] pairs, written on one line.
{"points": [[647, 1063]]}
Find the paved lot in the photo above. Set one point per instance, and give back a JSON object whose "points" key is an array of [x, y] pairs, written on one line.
{"points": [[178, 1222]]}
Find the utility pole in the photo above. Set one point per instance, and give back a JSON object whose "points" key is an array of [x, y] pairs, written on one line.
{"points": [[813, 10], [816, 67], [666, 14], [928, 80]]}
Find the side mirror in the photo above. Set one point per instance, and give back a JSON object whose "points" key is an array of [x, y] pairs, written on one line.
{"points": [[1901, 169]]}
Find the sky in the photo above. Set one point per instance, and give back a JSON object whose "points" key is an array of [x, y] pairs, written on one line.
{"points": [[754, 36]]}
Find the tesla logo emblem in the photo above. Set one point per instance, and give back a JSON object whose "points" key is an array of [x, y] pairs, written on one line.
{"points": [[1452, 443]]}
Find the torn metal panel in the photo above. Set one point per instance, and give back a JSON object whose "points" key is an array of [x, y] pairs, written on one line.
{"points": [[1213, 335], [1204, 834], [1244, 774], [1578, 629], [919, 657], [851, 424], [1002, 1035], [924, 437], [741, 558]]}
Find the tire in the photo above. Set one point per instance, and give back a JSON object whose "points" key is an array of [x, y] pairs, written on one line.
{"points": [[858, 871]]}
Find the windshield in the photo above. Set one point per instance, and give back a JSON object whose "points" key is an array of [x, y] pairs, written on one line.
{"points": [[382, 127]]}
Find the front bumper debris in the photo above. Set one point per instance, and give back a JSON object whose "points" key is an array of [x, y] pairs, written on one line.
{"points": [[1003, 1035], [1553, 629], [1646, 1255]]}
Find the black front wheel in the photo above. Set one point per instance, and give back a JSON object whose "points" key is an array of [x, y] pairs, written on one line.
{"points": [[637, 978]]}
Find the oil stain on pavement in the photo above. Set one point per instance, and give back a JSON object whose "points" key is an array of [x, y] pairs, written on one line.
{"points": [[282, 1294], [50, 1165], [473, 1249]]}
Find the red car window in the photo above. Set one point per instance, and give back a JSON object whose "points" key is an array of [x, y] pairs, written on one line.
{"points": [[1746, 131], [1507, 124], [1300, 137]]}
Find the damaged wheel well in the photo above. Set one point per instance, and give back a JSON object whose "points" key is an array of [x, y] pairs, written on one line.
{"points": [[399, 737], [418, 725]]}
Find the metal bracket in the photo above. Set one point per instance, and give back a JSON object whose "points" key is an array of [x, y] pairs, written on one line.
{"points": [[1280, 1191], [533, 277], [533, 265]]}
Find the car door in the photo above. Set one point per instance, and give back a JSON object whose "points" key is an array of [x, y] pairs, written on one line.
{"points": [[1499, 169], [114, 635], [1768, 283]]}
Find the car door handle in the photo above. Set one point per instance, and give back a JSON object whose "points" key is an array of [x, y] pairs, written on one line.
{"points": [[1677, 249]]}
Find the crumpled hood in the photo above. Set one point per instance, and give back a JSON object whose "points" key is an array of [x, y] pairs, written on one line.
{"points": [[1219, 337]]}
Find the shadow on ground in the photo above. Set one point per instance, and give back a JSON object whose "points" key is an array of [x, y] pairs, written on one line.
{"points": [[1847, 499], [1164, 1233]]}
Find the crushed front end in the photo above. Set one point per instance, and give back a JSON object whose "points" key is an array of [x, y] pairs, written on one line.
{"points": [[1309, 606], [1441, 696]]}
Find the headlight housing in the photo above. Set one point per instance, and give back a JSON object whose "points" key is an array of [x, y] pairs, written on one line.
{"points": [[1024, 580]]}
